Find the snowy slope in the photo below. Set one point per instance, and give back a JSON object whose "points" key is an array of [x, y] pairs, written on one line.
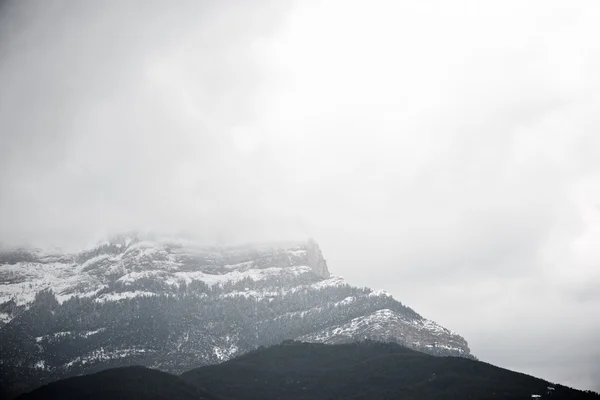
{"points": [[130, 259], [390, 326]]}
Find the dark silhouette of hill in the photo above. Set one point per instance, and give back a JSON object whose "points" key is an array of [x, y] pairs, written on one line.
{"points": [[366, 370], [295, 370], [126, 383]]}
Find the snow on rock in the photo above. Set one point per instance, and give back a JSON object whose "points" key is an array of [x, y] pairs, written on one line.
{"points": [[63, 296], [241, 266], [63, 334], [41, 364], [331, 282], [258, 295], [5, 317], [433, 326], [91, 333], [379, 293], [95, 260], [225, 353], [23, 280], [297, 253], [104, 355], [236, 276], [347, 300], [386, 325], [134, 276], [130, 259], [122, 295]]}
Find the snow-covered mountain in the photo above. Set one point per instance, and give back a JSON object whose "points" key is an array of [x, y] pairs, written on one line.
{"points": [[173, 305]]}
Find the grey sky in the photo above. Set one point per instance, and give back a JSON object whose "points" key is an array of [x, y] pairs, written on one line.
{"points": [[448, 152]]}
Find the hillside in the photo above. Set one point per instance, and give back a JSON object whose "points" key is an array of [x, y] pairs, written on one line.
{"points": [[128, 383], [367, 370]]}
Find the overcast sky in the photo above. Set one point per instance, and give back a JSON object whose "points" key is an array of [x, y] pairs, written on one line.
{"points": [[448, 152]]}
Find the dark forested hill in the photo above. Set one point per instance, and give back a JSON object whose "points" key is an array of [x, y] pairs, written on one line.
{"points": [[297, 370], [127, 383], [367, 370]]}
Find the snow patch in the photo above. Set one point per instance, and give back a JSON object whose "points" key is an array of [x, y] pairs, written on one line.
{"points": [[83, 334], [134, 276], [236, 276], [253, 293], [123, 295], [334, 281], [94, 260], [297, 253], [379, 293], [347, 300], [41, 364], [242, 265], [102, 355], [5, 317], [225, 353], [87, 334], [444, 346]]}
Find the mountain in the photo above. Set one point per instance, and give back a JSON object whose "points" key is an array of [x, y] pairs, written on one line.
{"points": [[296, 370], [126, 383], [170, 304]]}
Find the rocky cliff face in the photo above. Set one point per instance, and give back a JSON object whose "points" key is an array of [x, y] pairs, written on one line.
{"points": [[174, 305], [316, 262]]}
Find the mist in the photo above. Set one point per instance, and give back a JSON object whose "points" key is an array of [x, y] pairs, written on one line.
{"points": [[446, 152]]}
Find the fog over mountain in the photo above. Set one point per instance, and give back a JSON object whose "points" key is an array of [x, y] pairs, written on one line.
{"points": [[447, 152]]}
